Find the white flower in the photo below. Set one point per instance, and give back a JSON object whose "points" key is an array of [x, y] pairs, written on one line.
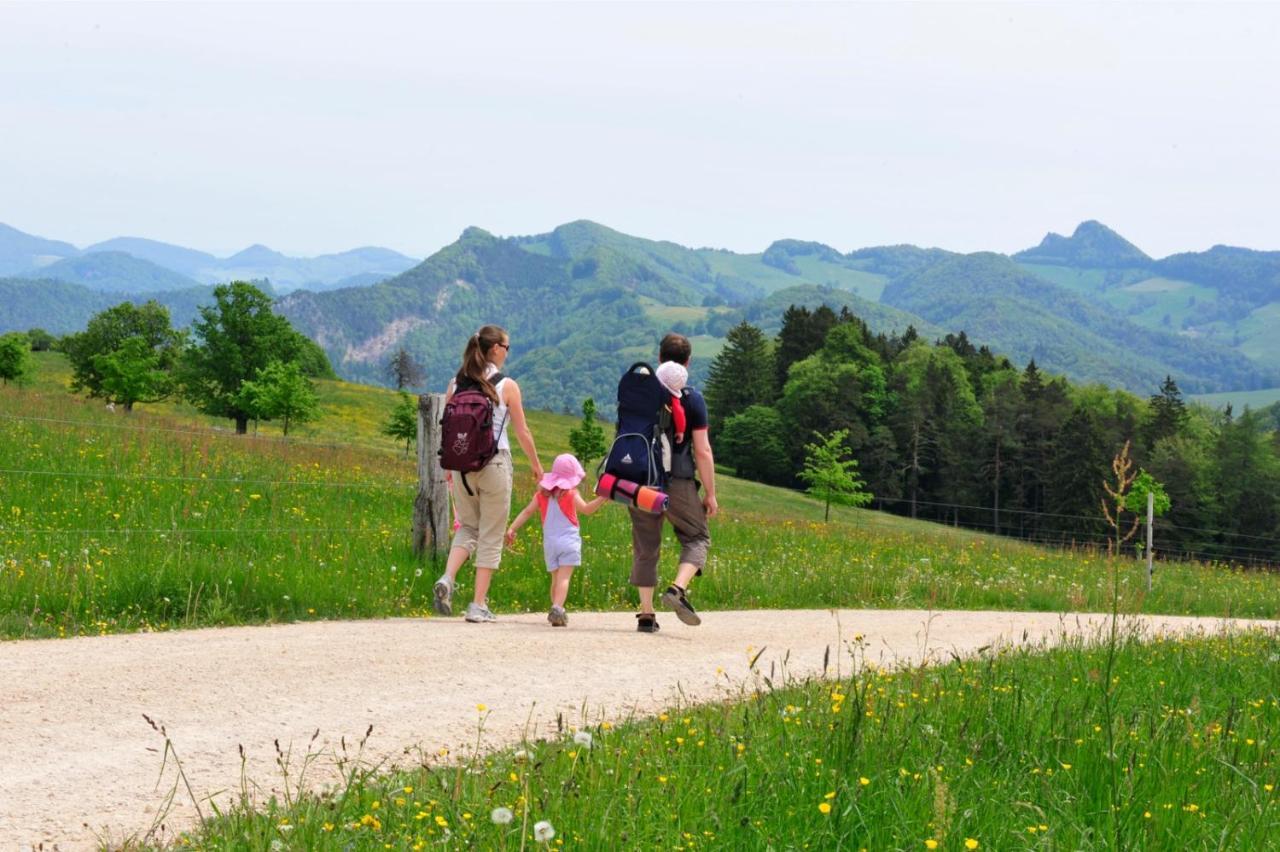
{"points": [[543, 831], [582, 738], [520, 755], [502, 816], [393, 569], [418, 572]]}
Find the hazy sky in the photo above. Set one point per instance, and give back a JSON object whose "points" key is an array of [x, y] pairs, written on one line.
{"points": [[316, 128]]}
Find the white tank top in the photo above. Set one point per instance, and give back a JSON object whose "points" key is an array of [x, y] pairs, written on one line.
{"points": [[501, 415]]}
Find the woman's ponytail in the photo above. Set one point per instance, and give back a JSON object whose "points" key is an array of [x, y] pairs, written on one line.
{"points": [[475, 358]]}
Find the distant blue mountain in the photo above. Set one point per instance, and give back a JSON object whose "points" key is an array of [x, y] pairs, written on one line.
{"points": [[189, 262], [21, 252], [34, 257]]}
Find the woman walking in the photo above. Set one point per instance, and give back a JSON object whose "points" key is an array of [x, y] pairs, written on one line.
{"points": [[483, 502]]}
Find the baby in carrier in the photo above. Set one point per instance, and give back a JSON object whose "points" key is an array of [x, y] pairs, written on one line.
{"points": [[674, 377]]}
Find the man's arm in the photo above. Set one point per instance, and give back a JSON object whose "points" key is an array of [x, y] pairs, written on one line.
{"points": [[705, 463]]}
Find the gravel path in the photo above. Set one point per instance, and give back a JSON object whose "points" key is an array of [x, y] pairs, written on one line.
{"points": [[78, 763]]}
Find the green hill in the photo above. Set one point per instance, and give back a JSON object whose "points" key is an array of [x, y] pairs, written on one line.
{"points": [[60, 308], [578, 302], [584, 298], [1093, 245], [116, 272], [1228, 296], [1023, 316]]}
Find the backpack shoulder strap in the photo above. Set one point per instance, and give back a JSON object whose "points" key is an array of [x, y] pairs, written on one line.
{"points": [[461, 382]]}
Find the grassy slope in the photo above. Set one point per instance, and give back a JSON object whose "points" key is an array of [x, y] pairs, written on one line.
{"points": [[813, 270], [146, 529], [1239, 399]]}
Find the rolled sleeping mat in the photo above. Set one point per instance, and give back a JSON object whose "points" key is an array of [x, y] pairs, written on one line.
{"points": [[630, 493]]}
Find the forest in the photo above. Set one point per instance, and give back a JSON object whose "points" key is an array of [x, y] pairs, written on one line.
{"points": [[953, 432]]}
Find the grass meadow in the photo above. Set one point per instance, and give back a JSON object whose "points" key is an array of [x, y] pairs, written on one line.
{"points": [[161, 520], [1140, 743], [152, 521]]}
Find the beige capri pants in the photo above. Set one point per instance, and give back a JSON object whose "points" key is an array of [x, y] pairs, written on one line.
{"points": [[483, 513]]}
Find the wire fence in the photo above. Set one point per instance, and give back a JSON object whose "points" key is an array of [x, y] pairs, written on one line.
{"points": [[1232, 547]]}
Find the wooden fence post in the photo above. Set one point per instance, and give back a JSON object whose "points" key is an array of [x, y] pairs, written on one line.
{"points": [[431, 506]]}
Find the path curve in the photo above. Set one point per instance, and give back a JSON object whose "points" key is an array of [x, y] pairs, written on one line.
{"points": [[78, 763]]}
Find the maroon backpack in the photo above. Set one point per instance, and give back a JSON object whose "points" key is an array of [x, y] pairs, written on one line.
{"points": [[467, 439]]}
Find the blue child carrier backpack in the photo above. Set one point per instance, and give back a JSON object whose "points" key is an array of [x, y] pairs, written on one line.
{"points": [[641, 452]]}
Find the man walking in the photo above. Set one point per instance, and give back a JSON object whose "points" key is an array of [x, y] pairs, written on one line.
{"points": [[692, 465]]}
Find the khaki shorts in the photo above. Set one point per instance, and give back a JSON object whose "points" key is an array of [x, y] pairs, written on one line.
{"points": [[483, 513], [688, 518]]}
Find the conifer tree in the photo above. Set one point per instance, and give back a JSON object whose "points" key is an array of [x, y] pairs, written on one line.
{"points": [[587, 438], [742, 375]]}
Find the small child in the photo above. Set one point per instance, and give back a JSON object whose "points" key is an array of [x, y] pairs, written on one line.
{"points": [[674, 377], [558, 503]]}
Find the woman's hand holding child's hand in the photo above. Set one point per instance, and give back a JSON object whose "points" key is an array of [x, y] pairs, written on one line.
{"points": [[511, 538]]}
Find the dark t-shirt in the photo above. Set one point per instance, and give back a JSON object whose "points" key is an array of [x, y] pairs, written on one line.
{"points": [[695, 412], [695, 409]]}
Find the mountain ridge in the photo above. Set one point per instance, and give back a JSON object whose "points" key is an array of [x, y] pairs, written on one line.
{"points": [[25, 255], [595, 295], [1091, 244]]}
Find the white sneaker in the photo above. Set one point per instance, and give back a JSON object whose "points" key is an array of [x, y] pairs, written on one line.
{"points": [[477, 614], [443, 601]]}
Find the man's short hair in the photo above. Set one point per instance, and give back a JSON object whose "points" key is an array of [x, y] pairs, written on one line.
{"points": [[675, 347]]}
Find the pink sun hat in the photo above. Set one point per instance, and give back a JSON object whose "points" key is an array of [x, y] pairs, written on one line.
{"points": [[566, 472]]}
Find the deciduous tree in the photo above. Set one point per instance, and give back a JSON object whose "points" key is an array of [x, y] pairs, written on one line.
{"points": [[402, 425], [132, 373], [16, 363], [107, 331], [279, 391], [831, 474], [234, 339]]}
